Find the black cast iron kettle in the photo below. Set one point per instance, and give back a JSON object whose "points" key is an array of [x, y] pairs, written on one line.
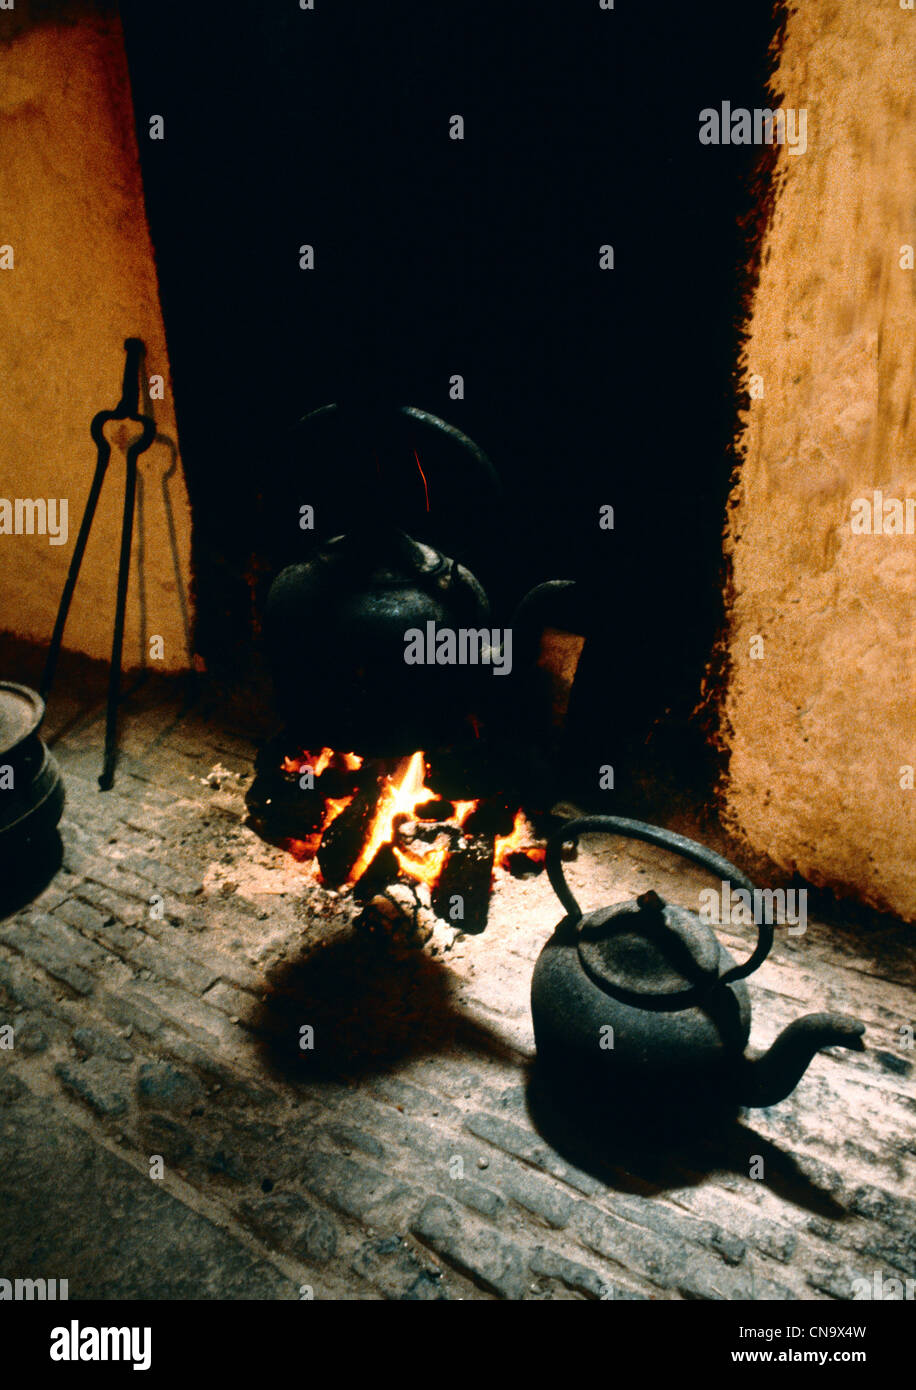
{"points": [[641, 999]]}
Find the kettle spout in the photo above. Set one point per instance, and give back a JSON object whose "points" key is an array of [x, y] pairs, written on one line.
{"points": [[775, 1075]]}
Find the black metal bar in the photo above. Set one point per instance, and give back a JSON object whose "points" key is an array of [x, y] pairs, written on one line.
{"points": [[76, 560], [129, 404], [106, 780]]}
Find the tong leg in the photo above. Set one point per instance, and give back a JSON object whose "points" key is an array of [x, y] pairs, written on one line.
{"points": [[106, 780], [76, 560]]}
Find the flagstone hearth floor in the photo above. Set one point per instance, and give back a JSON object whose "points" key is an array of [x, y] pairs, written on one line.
{"points": [[159, 1137]]}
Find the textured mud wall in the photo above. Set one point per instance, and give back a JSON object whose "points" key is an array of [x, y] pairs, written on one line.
{"points": [[821, 723], [82, 280]]}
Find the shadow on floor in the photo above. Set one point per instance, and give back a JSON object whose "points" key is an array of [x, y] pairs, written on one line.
{"points": [[367, 1010], [646, 1152], [27, 873]]}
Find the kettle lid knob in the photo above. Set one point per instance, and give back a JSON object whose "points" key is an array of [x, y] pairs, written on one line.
{"points": [[649, 954]]}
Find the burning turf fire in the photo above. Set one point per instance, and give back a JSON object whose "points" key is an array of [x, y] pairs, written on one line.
{"points": [[368, 825]]}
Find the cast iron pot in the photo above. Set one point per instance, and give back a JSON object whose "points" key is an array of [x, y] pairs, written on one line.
{"points": [[31, 788]]}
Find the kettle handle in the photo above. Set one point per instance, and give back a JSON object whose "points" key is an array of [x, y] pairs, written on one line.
{"points": [[529, 620], [665, 839]]}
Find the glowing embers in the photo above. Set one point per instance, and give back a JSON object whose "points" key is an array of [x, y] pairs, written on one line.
{"points": [[316, 778], [519, 851], [371, 823], [349, 762]]}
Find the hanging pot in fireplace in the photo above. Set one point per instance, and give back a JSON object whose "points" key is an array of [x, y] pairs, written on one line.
{"points": [[336, 625], [336, 634]]}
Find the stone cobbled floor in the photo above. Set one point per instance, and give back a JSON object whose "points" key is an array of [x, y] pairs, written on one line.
{"points": [[163, 1135]]}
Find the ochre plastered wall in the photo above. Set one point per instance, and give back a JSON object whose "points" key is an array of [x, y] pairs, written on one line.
{"points": [[821, 728], [84, 279]]}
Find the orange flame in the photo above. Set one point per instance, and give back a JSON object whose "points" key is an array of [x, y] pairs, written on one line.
{"points": [[303, 849], [519, 839], [305, 761], [395, 798], [425, 868], [400, 796], [333, 807]]}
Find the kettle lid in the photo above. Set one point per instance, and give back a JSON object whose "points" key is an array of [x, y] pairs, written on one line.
{"points": [[649, 954]]}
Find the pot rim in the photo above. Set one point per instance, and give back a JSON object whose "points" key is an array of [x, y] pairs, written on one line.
{"points": [[25, 709]]}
